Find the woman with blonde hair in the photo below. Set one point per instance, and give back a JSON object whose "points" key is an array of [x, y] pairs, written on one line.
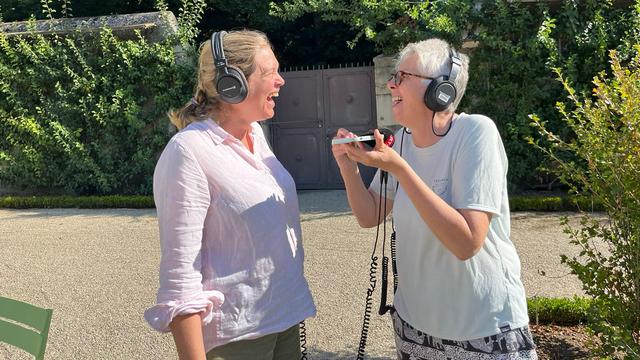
{"points": [[232, 282]]}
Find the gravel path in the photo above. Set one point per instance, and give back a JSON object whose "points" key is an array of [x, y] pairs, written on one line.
{"points": [[98, 270]]}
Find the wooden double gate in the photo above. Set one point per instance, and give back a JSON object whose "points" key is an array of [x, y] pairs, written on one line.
{"points": [[312, 106]]}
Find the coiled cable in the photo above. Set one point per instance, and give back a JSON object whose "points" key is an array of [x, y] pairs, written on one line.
{"points": [[372, 278], [303, 341]]}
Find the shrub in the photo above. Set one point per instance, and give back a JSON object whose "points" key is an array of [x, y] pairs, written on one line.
{"points": [[604, 165]]}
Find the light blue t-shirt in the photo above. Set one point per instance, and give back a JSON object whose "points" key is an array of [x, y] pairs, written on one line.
{"points": [[437, 293]]}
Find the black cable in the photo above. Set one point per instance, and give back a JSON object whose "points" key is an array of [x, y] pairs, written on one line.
{"points": [[385, 260], [303, 341], [433, 129], [394, 265], [366, 321], [367, 308]]}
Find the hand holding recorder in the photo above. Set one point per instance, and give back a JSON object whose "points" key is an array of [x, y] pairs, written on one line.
{"points": [[382, 156], [367, 138]]}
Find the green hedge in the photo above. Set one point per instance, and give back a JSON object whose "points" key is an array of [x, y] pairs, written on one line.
{"points": [[88, 117], [559, 311], [517, 203], [553, 203], [83, 202]]}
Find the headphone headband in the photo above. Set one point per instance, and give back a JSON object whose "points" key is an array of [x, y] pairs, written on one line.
{"points": [[218, 50], [456, 64], [441, 91]]}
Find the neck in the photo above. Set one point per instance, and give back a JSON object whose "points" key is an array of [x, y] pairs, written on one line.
{"points": [[233, 124], [237, 130], [423, 135]]}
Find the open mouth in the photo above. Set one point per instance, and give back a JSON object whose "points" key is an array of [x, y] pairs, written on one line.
{"points": [[396, 100], [272, 96]]}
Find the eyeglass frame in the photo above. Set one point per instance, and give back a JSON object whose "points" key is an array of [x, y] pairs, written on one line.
{"points": [[403, 74]]}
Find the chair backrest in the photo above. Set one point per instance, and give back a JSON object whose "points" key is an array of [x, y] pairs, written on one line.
{"points": [[28, 328]]}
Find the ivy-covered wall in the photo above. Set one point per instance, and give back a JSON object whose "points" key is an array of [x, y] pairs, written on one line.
{"points": [[84, 113]]}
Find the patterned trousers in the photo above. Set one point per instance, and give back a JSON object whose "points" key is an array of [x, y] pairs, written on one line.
{"points": [[412, 344]]}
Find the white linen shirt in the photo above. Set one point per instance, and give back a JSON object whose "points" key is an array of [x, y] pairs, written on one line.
{"points": [[230, 237]]}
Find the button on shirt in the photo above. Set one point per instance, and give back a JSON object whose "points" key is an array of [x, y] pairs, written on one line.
{"points": [[230, 237]]}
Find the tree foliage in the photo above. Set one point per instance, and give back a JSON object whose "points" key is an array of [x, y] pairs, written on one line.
{"points": [[510, 73], [307, 40], [390, 24]]}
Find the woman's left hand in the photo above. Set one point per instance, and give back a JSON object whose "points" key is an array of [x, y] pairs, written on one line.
{"points": [[381, 156]]}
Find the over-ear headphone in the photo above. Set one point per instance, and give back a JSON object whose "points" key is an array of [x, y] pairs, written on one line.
{"points": [[442, 91], [230, 82]]}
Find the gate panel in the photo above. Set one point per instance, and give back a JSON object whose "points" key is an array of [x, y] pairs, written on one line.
{"points": [[349, 103], [298, 134], [311, 107]]}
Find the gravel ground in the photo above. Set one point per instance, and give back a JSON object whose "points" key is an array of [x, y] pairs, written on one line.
{"points": [[98, 270]]}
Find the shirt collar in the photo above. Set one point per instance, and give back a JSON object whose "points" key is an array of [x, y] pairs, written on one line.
{"points": [[218, 134]]}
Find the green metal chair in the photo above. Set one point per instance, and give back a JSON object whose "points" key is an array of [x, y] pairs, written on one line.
{"points": [[28, 328]]}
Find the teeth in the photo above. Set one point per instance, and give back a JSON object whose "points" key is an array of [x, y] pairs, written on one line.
{"points": [[275, 94], [397, 98]]}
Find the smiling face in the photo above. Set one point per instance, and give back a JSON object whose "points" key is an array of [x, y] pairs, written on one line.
{"points": [[263, 85], [408, 97]]}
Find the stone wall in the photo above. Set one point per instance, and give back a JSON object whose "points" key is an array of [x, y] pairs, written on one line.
{"points": [[154, 26]]}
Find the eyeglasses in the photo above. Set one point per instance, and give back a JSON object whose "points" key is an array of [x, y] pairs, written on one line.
{"points": [[398, 76]]}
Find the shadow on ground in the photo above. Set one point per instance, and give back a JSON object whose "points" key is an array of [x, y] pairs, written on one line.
{"points": [[315, 354]]}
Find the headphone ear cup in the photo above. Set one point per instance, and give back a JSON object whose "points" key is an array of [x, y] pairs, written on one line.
{"points": [[439, 94], [232, 86]]}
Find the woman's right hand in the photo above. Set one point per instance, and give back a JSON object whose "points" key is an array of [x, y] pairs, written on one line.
{"points": [[340, 150]]}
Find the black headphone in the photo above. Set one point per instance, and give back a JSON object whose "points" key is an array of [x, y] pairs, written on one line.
{"points": [[230, 82], [442, 91]]}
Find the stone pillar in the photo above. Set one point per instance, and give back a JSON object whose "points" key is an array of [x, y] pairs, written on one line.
{"points": [[383, 67]]}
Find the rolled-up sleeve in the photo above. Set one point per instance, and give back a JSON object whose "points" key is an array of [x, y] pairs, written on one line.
{"points": [[181, 195]]}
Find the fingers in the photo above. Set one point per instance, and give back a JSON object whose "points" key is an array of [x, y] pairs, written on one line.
{"points": [[355, 151], [342, 133], [340, 150], [379, 138]]}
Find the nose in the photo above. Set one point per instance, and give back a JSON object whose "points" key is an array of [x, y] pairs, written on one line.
{"points": [[279, 80], [391, 84]]}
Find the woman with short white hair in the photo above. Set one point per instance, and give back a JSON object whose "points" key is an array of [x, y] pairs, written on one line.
{"points": [[459, 293]]}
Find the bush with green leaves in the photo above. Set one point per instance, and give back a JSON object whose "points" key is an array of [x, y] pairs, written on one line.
{"points": [[84, 114], [605, 165]]}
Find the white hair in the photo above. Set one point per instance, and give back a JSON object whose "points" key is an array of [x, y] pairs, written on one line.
{"points": [[434, 59]]}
